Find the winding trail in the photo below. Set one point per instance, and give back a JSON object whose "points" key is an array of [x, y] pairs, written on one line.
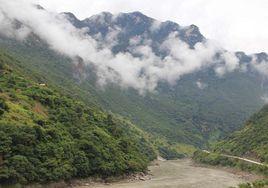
{"points": [[181, 173], [240, 158]]}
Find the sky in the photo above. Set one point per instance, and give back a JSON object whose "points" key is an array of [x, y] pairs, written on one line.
{"points": [[237, 25]]}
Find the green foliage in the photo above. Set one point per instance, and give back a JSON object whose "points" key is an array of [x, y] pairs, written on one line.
{"points": [[3, 107], [1, 66], [256, 184], [212, 159], [47, 136], [181, 114], [169, 153], [251, 141], [217, 159], [169, 150]]}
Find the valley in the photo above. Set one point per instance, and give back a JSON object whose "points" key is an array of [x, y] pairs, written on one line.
{"points": [[101, 97], [182, 174]]}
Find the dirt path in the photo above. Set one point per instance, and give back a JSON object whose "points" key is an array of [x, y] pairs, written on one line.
{"points": [[180, 174], [241, 158]]}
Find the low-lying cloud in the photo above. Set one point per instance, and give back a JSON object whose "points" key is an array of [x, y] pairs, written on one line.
{"points": [[142, 72]]}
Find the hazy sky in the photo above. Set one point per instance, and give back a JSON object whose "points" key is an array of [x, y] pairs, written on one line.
{"points": [[236, 24]]}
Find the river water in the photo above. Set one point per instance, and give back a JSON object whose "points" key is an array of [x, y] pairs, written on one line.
{"points": [[179, 174]]}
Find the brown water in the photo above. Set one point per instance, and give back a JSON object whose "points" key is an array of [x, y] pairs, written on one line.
{"points": [[179, 174]]}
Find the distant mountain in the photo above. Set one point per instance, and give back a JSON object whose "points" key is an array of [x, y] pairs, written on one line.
{"points": [[200, 108], [228, 107], [135, 24]]}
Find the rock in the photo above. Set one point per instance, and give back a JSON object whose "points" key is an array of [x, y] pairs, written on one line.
{"points": [[142, 178]]}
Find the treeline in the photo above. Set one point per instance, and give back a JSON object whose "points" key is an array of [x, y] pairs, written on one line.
{"points": [[255, 184], [46, 136]]}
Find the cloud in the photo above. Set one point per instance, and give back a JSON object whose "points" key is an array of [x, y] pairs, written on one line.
{"points": [[265, 99], [260, 66], [156, 25], [142, 72], [229, 62], [201, 85], [10, 28]]}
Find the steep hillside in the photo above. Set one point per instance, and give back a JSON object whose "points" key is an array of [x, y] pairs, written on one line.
{"points": [[246, 149], [48, 136], [201, 107], [251, 141]]}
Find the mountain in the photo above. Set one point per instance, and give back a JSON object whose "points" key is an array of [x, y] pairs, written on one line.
{"points": [[140, 26], [135, 24], [251, 140], [46, 135], [199, 102], [199, 108]]}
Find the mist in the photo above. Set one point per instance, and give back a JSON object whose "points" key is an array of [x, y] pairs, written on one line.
{"points": [[142, 72]]}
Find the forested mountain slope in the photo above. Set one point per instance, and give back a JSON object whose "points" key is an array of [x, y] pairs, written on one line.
{"points": [[200, 107], [246, 149], [251, 141], [46, 135]]}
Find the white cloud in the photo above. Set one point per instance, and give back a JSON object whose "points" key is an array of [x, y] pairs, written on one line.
{"points": [[9, 28], [261, 67], [201, 85], [135, 41], [142, 73], [155, 26], [265, 99], [229, 62], [112, 36]]}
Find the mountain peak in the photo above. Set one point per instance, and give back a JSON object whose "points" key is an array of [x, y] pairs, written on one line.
{"points": [[105, 14], [137, 14], [132, 24], [262, 56], [69, 15], [39, 7], [100, 18], [192, 30]]}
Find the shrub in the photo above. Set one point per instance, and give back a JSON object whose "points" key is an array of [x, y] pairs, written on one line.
{"points": [[3, 107]]}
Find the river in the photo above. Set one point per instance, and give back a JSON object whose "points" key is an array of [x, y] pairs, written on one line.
{"points": [[179, 174]]}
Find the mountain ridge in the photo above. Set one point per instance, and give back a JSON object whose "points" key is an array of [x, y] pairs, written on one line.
{"points": [[198, 108], [101, 22], [173, 26]]}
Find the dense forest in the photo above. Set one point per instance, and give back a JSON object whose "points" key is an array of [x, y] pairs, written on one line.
{"points": [[251, 141], [46, 135]]}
